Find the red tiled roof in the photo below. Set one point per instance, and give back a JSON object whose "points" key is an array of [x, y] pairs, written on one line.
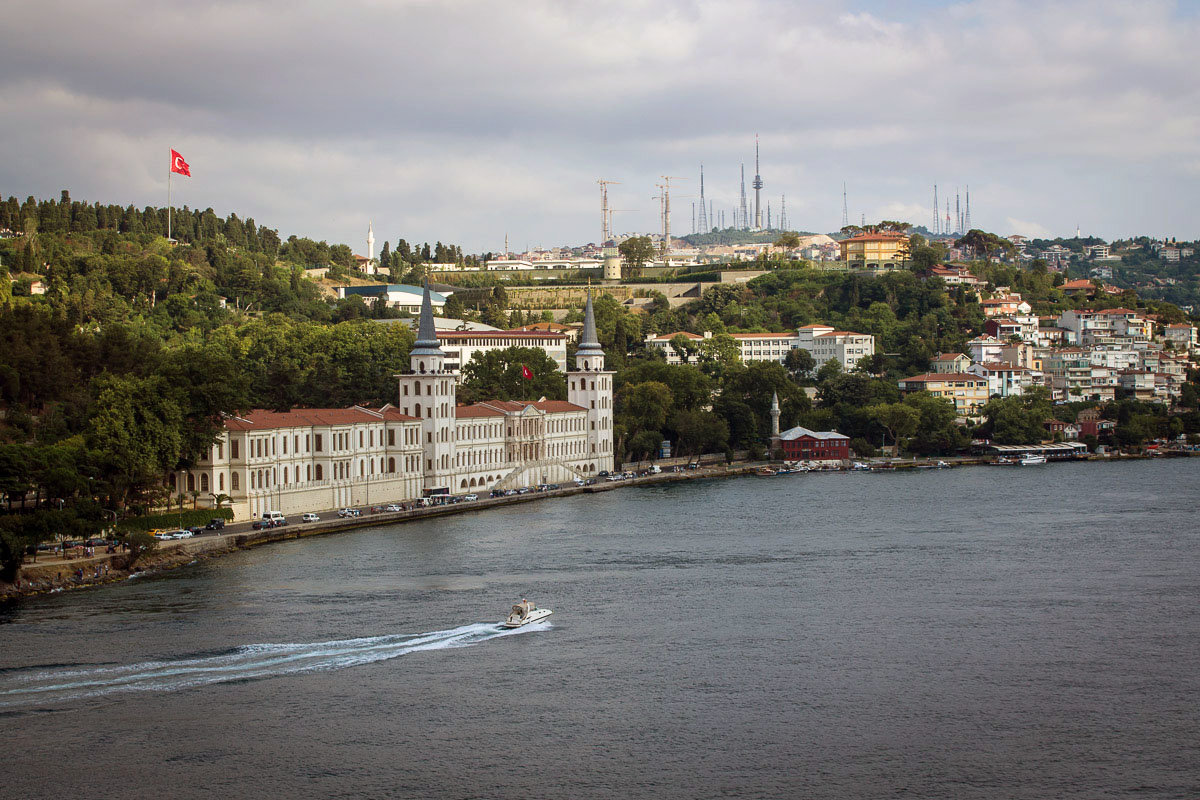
{"points": [[477, 410], [669, 336], [262, 419], [934, 377], [760, 335], [1001, 366]]}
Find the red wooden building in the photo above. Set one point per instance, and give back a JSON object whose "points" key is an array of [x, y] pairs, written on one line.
{"points": [[801, 444]]}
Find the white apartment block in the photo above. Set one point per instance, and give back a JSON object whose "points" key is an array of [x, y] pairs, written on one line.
{"points": [[1003, 380], [984, 349], [315, 459], [461, 346], [821, 341]]}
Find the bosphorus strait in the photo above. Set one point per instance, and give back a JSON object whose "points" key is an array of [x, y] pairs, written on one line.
{"points": [[950, 634]]}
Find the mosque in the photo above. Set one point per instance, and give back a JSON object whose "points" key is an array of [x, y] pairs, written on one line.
{"points": [[425, 444]]}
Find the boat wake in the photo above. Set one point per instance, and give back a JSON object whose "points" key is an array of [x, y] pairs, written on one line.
{"points": [[48, 687]]}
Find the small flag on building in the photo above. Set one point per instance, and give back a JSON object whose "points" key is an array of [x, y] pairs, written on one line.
{"points": [[179, 166], [526, 373]]}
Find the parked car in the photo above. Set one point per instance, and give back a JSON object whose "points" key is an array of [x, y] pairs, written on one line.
{"points": [[215, 524], [262, 524], [392, 507], [309, 517], [162, 535], [349, 512], [196, 530], [471, 496]]}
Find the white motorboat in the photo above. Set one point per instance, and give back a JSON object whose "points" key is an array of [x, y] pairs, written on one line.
{"points": [[1031, 460], [524, 613]]}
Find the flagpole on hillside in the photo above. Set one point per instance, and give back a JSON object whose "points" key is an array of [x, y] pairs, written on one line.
{"points": [[170, 169]]}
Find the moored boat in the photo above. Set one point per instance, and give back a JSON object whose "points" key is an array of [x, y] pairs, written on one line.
{"points": [[1031, 460], [524, 613]]}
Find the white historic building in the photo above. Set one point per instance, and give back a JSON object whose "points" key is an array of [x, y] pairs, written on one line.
{"points": [[425, 444]]}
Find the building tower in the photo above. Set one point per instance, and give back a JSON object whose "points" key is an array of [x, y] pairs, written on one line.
{"points": [[704, 225], [742, 220], [758, 185], [428, 391], [370, 241], [612, 264], [589, 386]]}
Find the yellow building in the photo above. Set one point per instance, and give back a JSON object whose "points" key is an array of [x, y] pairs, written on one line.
{"points": [[968, 392], [882, 251]]}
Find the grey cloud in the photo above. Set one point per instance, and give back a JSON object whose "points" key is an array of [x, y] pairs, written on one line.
{"points": [[463, 121]]}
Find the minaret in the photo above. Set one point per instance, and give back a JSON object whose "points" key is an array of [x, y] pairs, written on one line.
{"points": [[589, 386], [428, 391], [370, 241], [775, 438]]}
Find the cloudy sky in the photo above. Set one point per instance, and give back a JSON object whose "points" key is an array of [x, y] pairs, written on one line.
{"points": [[462, 121]]}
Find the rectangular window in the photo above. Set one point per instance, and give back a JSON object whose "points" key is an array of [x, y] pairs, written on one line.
{"points": [[391, 438], [233, 449], [318, 447]]}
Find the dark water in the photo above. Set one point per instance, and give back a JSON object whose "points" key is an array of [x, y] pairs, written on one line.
{"points": [[1001, 633]]}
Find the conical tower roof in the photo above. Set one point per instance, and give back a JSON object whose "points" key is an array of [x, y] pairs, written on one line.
{"points": [[774, 401], [427, 342], [589, 344]]}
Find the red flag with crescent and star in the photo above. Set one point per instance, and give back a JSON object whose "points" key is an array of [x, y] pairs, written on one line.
{"points": [[526, 373], [178, 165]]}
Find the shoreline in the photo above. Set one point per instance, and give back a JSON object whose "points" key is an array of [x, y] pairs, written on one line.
{"points": [[36, 579]]}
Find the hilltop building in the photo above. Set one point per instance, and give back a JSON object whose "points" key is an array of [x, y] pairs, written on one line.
{"points": [[426, 444], [880, 251], [821, 341]]}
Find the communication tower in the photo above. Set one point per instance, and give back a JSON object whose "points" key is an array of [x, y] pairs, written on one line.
{"points": [[845, 208], [742, 220], [704, 226], [758, 185], [967, 216], [937, 223], [605, 229]]}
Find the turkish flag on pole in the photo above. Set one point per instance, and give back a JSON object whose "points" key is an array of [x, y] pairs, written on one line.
{"points": [[178, 165], [526, 373]]}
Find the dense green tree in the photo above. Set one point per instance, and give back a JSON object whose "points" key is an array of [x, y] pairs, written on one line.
{"points": [[498, 375], [635, 252]]}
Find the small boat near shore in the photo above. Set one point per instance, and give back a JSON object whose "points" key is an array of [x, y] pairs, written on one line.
{"points": [[525, 613], [1032, 460]]}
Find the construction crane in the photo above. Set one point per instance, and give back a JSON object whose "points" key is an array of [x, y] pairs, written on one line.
{"points": [[605, 230], [611, 211]]}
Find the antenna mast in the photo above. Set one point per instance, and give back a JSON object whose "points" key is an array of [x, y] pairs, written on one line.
{"points": [[758, 185], [967, 218], [845, 208], [704, 226], [743, 219], [937, 223]]}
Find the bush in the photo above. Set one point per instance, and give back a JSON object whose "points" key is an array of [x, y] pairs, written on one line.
{"points": [[756, 452], [139, 543], [863, 449], [173, 519]]}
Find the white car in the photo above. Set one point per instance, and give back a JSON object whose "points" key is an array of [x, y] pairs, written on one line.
{"points": [[392, 507], [178, 534], [348, 512], [471, 496], [310, 517]]}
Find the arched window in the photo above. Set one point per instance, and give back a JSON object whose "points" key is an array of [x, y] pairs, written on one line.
{"points": [[203, 483], [417, 410], [391, 465], [221, 482], [252, 483], [191, 482], [234, 482], [285, 474], [463, 485], [320, 472]]}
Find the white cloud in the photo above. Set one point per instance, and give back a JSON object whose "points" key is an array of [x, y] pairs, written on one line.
{"points": [[1026, 228]]}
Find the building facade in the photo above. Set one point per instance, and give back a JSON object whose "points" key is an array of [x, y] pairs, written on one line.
{"points": [[967, 392], [425, 444], [801, 444], [822, 342]]}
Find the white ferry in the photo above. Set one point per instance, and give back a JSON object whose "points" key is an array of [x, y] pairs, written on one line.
{"points": [[524, 613], [1031, 460]]}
